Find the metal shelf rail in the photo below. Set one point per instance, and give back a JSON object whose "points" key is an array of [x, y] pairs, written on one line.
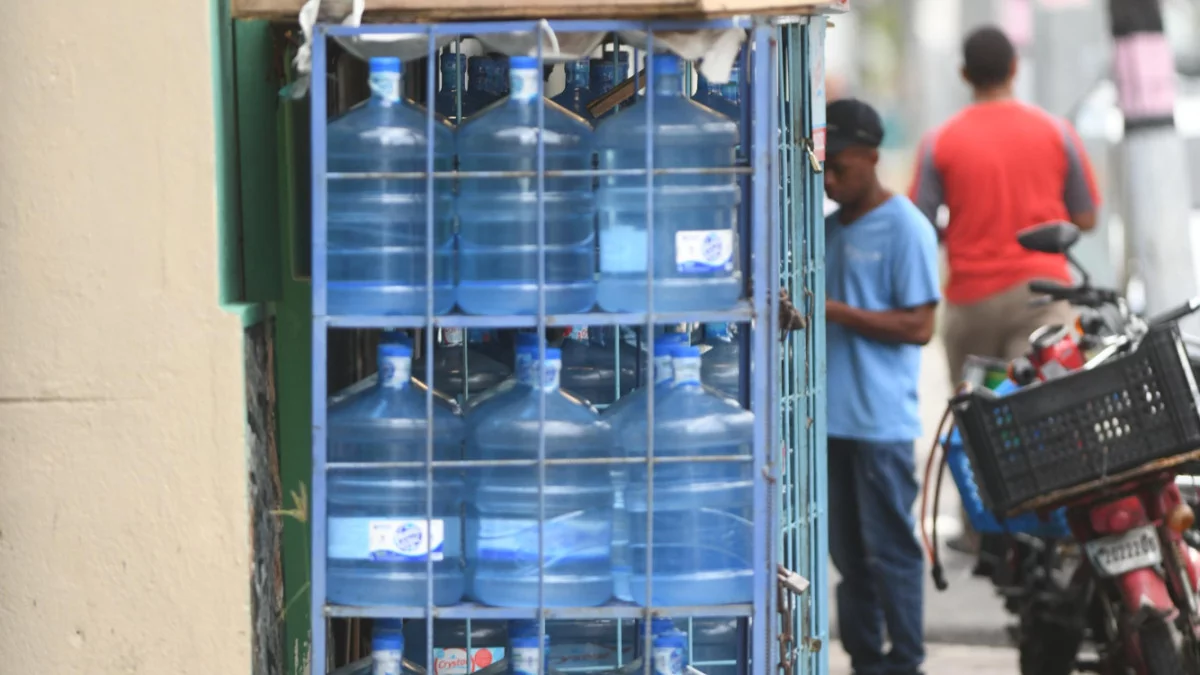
{"points": [[775, 231]]}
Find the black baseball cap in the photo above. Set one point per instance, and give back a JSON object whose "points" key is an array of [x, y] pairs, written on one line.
{"points": [[850, 122]]}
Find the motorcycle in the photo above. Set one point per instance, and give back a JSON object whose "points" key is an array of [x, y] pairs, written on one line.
{"points": [[1081, 454]]}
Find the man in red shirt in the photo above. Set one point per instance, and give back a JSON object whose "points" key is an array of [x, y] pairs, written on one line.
{"points": [[1000, 166]]}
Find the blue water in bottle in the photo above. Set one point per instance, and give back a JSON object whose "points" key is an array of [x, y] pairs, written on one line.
{"points": [[378, 536], [696, 264], [502, 516], [720, 366], [703, 534], [498, 217], [446, 101], [376, 228], [387, 653], [576, 96], [618, 415]]}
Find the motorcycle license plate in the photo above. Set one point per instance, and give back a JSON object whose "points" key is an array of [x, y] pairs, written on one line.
{"points": [[1133, 550]]}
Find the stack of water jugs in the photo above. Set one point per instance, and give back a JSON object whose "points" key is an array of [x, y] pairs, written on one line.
{"points": [[483, 535]]}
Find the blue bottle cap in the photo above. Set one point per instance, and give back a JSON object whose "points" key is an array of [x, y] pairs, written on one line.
{"points": [[384, 64], [384, 625], [671, 339], [665, 64], [395, 337], [387, 641], [527, 340], [686, 352], [553, 354], [667, 347], [660, 625], [395, 350], [522, 62]]}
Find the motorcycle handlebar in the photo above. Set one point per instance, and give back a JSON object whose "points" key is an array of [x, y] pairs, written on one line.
{"points": [[1051, 288], [1172, 315]]}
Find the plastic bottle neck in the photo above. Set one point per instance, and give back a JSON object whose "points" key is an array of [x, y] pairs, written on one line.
{"points": [[385, 88], [551, 374], [664, 371], [687, 371], [670, 84], [525, 367], [523, 84], [395, 372]]}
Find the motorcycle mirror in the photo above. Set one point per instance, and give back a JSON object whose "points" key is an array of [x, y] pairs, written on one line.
{"points": [[1057, 237]]}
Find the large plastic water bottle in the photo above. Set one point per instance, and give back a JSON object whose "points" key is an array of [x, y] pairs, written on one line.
{"points": [[480, 87], [376, 228], [523, 360], [590, 367], [528, 657], [378, 535], [605, 73], [498, 76], [720, 366], [696, 262], [459, 370], [446, 101], [589, 644], [670, 653], [702, 512], [498, 217], [618, 415], [503, 508], [576, 96], [488, 640]]}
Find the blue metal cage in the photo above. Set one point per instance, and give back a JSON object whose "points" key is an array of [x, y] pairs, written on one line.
{"points": [[782, 382]]}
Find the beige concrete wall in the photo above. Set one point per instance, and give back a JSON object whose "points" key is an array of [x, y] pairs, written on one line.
{"points": [[123, 529]]}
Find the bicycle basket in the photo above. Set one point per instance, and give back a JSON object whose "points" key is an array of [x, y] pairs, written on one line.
{"points": [[1084, 427]]}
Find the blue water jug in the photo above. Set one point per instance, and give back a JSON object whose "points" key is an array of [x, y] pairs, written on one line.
{"points": [[576, 96], [378, 535], [618, 415], [498, 76], [459, 370], [711, 95], [703, 534], [488, 640], [528, 657], [480, 87], [720, 366], [589, 644], [498, 217], [376, 228], [454, 78], [605, 73], [503, 515], [523, 360], [590, 367], [696, 264]]}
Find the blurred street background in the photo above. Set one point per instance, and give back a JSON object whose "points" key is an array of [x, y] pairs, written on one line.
{"points": [[903, 56]]}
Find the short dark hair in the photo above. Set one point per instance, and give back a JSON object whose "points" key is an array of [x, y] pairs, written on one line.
{"points": [[988, 57]]}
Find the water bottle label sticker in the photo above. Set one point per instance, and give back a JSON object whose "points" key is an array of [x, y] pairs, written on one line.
{"points": [[622, 249], [527, 661], [579, 536], [386, 662], [523, 84], [389, 540], [395, 371], [704, 251], [452, 337], [668, 661], [385, 86], [453, 661]]}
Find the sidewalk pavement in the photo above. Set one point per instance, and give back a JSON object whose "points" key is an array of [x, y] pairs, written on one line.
{"points": [[947, 660]]}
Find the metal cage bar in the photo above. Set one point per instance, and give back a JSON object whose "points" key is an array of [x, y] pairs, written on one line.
{"points": [[780, 207]]}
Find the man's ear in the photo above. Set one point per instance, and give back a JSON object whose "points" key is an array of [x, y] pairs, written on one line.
{"points": [[962, 72], [873, 155], [1012, 70]]}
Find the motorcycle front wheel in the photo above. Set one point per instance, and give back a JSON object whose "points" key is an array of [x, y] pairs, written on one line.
{"points": [[1159, 653], [1048, 647]]}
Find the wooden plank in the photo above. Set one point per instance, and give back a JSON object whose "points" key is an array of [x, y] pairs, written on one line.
{"points": [[426, 11]]}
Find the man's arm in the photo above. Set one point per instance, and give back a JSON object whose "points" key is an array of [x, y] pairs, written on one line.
{"points": [[927, 190], [913, 326], [1080, 195]]}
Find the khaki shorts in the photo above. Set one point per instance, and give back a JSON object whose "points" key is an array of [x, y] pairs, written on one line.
{"points": [[997, 327]]}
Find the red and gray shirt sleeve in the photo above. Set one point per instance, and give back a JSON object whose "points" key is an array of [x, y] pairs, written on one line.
{"points": [[927, 191], [1080, 194]]}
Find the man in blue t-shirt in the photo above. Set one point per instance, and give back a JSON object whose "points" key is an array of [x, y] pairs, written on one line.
{"points": [[881, 276]]}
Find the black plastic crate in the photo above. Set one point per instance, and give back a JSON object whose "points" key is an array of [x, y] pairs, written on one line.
{"points": [[1083, 427]]}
